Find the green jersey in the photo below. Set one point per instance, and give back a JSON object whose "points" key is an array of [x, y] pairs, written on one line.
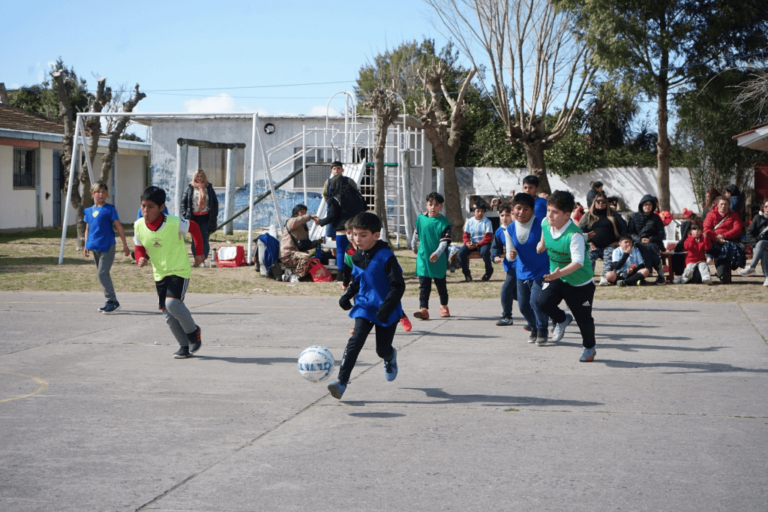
{"points": [[559, 252], [431, 230], [165, 247]]}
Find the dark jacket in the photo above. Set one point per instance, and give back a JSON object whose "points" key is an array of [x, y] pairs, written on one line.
{"points": [[648, 226], [591, 196], [605, 234], [344, 202], [213, 206], [759, 223], [394, 276]]}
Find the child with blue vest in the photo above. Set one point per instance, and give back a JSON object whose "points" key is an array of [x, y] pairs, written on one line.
{"points": [[377, 288], [100, 240], [530, 266], [568, 279], [161, 238], [499, 254], [531, 187], [431, 238]]}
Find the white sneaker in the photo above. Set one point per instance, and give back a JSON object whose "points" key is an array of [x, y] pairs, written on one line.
{"points": [[749, 271], [766, 282], [604, 281], [560, 328], [678, 280]]}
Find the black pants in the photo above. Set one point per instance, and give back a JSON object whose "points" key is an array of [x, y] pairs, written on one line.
{"points": [[651, 256], [425, 289], [384, 337], [485, 253], [579, 300]]}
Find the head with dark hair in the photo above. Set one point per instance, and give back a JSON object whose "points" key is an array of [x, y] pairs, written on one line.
{"points": [[523, 205], [597, 184], [697, 225], [436, 197], [154, 194], [732, 190], [525, 199], [531, 180], [562, 200], [626, 243], [367, 221], [337, 186], [711, 194], [506, 207], [298, 209]]}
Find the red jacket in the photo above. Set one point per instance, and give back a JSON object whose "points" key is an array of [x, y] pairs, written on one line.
{"points": [[731, 229], [696, 249]]}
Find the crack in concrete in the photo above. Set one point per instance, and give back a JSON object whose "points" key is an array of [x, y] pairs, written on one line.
{"points": [[746, 315]]}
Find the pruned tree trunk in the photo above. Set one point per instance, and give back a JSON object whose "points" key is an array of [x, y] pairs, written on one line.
{"points": [[386, 109], [534, 157], [444, 133], [107, 161], [663, 145]]}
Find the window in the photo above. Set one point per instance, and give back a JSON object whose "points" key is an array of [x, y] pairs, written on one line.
{"points": [[318, 170], [24, 169], [214, 163]]}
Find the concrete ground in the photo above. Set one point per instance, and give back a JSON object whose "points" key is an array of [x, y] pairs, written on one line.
{"points": [[95, 414]]}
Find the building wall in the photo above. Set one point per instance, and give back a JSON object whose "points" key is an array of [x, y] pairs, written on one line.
{"points": [[17, 207], [129, 183]]}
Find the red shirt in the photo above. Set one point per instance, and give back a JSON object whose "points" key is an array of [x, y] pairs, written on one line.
{"points": [[731, 229], [697, 250]]}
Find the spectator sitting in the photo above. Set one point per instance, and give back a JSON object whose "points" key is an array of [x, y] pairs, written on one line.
{"points": [[647, 232], [628, 266], [736, 200], [295, 243], [724, 228], [478, 235], [709, 201], [697, 246], [757, 237], [603, 229]]}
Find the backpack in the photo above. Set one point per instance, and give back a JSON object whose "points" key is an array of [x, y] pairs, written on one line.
{"points": [[352, 202]]}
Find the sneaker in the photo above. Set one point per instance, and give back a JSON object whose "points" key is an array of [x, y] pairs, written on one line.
{"points": [[708, 282], [678, 280], [749, 271], [588, 355], [604, 281], [422, 314], [195, 341], [102, 308], [620, 283], [541, 337], [487, 277], [406, 324], [640, 282], [560, 328], [468, 279], [182, 353], [390, 367], [337, 389], [532, 337], [110, 307], [504, 321], [660, 280], [444, 312], [765, 283]]}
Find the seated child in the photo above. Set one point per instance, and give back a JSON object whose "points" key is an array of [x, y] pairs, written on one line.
{"points": [[499, 254], [161, 237], [431, 237], [627, 266], [697, 246], [478, 234], [377, 288]]}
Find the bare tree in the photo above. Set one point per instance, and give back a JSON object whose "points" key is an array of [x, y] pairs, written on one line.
{"points": [[443, 129], [386, 108], [537, 65], [116, 130], [754, 90]]}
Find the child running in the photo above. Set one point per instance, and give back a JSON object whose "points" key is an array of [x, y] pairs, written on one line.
{"points": [[568, 279], [100, 239], [161, 237], [697, 246], [431, 238], [377, 288], [531, 187], [499, 254]]}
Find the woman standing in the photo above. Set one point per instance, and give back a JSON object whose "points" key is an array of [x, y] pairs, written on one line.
{"points": [[199, 203], [595, 187], [603, 229], [724, 228]]}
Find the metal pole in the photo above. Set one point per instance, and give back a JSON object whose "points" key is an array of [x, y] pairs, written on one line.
{"points": [[67, 207], [304, 160], [250, 191], [181, 175], [271, 184], [229, 195], [408, 210]]}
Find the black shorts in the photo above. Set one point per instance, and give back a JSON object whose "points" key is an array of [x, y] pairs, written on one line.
{"points": [[174, 287]]}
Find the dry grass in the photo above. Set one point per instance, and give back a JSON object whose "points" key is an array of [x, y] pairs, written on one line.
{"points": [[28, 262]]}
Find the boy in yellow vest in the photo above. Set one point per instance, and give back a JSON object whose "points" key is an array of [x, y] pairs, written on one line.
{"points": [[568, 278], [161, 237]]}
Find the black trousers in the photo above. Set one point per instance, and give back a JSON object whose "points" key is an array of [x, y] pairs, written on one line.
{"points": [[485, 253], [425, 289], [579, 300], [384, 338]]}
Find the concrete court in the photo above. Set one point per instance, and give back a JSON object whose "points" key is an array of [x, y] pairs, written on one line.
{"points": [[673, 415]]}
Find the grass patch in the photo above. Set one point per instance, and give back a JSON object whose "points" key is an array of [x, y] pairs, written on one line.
{"points": [[29, 262], [511, 409]]}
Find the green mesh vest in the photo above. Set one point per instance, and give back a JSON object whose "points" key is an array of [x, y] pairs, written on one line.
{"points": [[559, 252], [165, 247]]}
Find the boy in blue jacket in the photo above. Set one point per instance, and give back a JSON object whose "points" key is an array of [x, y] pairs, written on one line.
{"points": [[377, 288], [498, 253]]}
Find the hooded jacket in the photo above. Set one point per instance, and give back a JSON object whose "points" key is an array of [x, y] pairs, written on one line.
{"points": [[759, 223], [648, 226]]}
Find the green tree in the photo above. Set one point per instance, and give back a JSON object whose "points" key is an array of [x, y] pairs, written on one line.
{"points": [[42, 98], [664, 44]]}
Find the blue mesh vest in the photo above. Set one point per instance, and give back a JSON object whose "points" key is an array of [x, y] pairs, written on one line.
{"points": [[374, 287]]}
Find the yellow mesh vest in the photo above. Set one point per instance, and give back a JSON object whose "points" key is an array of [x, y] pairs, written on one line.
{"points": [[165, 247]]}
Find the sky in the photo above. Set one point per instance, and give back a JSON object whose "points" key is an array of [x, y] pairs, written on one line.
{"points": [[199, 56]]}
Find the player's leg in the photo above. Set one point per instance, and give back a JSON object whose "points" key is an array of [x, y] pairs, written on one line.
{"points": [[425, 290], [524, 305], [485, 253], [580, 301], [104, 261], [341, 246], [542, 319], [442, 291], [384, 349], [174, 305], [548, 302], [508, 293], [464, 262], [354, 346]]}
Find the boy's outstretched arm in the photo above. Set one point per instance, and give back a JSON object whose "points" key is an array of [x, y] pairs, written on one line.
{"points": [[121, 232], [85, 237], [541, 246], [396, 289], [345, 301]]}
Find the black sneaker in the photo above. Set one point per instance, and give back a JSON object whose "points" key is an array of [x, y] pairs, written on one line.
{"points": [[487, 277], [468, 278], [660, 280], [110, 307], [195, 341], [532, 337], [504, 321], [182, 353], [542, 337]]}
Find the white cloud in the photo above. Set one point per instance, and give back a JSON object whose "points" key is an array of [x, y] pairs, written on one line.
{"points": [[222, 103], [320, 111]]}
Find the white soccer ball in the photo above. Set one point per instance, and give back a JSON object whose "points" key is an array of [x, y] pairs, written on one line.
{"points": [[316, 363]]}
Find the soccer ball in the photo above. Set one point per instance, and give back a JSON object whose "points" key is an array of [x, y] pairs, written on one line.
{"points": [[316, 363]]}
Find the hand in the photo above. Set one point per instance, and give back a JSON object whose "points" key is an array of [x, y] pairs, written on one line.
{"points": [[126, 250], [316, 219], [645, 240], [85, 252], [497, 260], [720, 239], [592, 246], [344, 287], [631, 270], [433, 258], [512, 255], [553, 276], [628, 250], [541, 247], [142, 262], [591, 234], [543, 195], [198, 260], [415, 251]]}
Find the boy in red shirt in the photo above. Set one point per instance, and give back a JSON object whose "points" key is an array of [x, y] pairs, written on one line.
{"points": [[697, 246]]}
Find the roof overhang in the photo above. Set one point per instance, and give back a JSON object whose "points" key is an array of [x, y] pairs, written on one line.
{"points": [[756, 138]]}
